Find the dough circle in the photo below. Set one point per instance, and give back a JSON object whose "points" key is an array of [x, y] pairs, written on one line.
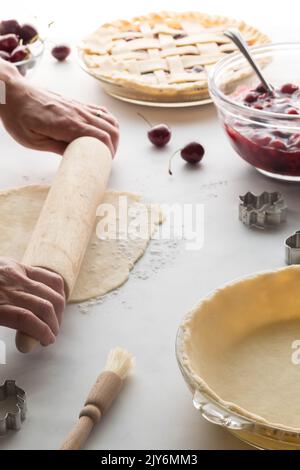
{"points": [[106, 264]]}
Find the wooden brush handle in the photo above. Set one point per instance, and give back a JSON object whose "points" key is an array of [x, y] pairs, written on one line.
{"points": [[79, 435], [64, 227], [99, 400]]}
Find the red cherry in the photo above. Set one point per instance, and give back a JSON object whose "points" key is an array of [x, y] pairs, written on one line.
{"points": [[28, 33], [158, 135], [19, 54], [61, 52], [278, 145], [251, 97], [10, 26], [192, 153], [262, 140], [293, 111], [261, 88], [8, 42], [289, 88]]}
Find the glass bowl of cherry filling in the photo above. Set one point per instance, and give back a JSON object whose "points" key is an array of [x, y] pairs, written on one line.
{"points": [[263, 128]]}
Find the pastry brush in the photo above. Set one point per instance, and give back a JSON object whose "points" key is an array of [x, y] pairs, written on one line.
{"points": [[103, 393]]}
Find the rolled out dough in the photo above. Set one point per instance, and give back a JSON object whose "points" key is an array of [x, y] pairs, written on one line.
{"points": [[106, 264]]}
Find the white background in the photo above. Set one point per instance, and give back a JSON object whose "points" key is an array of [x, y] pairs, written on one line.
{"points": [[155, 409]]}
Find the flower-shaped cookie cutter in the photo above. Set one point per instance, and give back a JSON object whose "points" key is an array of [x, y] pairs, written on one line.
{"points": [[292, 249], [12, 407], [267, 209]]}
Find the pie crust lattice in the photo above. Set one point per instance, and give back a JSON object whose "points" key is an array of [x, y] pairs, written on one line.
{"points": [[163, 56]]}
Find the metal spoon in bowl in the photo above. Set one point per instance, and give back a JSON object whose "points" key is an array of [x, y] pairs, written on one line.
{"points": [[238, 40]]}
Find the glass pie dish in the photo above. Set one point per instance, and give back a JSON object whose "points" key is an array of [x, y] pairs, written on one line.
{"points": [[162, 58], [237, 352], [265, 136]]}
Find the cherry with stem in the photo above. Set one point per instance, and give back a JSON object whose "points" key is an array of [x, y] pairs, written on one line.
{"points": [[159, 135], [192, 153]]}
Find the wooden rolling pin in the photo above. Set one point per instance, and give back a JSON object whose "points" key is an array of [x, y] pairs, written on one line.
{"points": [[64, 227]]}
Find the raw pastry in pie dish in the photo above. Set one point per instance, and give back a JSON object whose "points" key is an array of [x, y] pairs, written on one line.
{"points": [[164, 56], [239, 352]]}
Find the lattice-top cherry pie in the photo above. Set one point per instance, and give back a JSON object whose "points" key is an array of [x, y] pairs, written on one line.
{"points": [[162, 57]]}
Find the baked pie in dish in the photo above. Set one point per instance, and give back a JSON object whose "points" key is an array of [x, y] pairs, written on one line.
{"points": [[161, 57]]}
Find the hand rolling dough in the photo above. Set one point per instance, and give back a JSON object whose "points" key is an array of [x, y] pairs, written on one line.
{"points": [[107, 263]]}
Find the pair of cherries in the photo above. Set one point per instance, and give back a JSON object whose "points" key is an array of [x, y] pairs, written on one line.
{"points": [[160, 135]]}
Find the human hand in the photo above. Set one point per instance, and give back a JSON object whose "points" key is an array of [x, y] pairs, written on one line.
{"points": [[32, 300], [43, 120]]}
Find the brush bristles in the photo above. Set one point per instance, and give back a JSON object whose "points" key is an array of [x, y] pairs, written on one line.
{"points": [[120, 362]]}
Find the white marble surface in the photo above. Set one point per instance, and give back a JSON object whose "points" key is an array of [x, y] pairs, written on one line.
{"points": [[155, 409]]}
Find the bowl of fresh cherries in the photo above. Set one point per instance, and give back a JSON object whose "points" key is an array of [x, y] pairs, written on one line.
{"points": [[20, 44], [263, 127]]}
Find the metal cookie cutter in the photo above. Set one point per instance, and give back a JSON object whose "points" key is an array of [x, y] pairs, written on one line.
{"points": [[292, 249], [12, 407], [267, 209]]}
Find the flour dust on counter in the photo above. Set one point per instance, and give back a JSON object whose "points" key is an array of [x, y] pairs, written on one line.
{"points": [[161, 254]]}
